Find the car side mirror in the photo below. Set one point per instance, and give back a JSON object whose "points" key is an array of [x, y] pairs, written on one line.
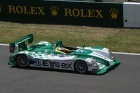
{"points": [[84, 46]]}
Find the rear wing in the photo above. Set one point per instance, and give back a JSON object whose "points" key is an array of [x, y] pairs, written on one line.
{"points": [[21, 43]]}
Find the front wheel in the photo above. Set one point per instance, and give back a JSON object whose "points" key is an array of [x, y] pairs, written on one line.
{"points": [[22, 61], [80, 66]]}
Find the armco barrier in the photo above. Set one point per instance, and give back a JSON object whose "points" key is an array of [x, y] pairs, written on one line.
{"points": [[62, 12]]}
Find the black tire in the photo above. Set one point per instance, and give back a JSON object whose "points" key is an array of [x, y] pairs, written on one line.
{"points": [[22, 61], [80, 66]]}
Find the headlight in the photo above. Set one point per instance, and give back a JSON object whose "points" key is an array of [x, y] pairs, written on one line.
{"points": [[93, 61], [95, 64]]}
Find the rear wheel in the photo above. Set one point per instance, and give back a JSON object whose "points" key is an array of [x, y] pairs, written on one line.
{"points": [[80, 66], [22, 61]]}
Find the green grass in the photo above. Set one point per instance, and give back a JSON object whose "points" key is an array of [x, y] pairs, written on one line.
{"points": [[116, 39]]}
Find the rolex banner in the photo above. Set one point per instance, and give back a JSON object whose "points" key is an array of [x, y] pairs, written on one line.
{"points": [[63, 12]]}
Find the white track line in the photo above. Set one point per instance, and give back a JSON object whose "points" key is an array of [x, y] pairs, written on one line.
{"points": [[4, 44], [113, 52], [126, 53]]}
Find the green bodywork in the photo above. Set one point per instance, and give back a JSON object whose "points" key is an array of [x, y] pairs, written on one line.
{"points": [[44, 48], [21, 43]]}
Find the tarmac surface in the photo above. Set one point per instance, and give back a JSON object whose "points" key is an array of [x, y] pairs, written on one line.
{"points": [[124, 78]]}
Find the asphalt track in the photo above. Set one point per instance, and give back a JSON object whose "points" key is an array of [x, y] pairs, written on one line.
{"points": [[125, 78]]}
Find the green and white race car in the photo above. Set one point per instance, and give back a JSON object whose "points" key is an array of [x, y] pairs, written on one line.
{"points": [[57, 56]]}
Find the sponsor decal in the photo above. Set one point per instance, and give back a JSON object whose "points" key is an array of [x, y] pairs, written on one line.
{"points": [[91, 13], [55, 64], [33, 10], [114, 13], [37, 62], [46, 62], [67, 11], [54, 10]]}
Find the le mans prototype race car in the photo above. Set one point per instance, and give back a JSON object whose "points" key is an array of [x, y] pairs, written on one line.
{"points": [[57, 56]]}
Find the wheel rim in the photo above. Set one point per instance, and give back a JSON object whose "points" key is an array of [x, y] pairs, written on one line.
{"points": [[81, 67], [22, 61]]}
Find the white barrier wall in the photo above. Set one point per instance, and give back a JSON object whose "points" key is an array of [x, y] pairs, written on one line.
{"points": [[131, 12]]}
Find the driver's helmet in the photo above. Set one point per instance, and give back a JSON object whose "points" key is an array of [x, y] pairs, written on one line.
{"points": [[59, 45], [61, 48]]}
